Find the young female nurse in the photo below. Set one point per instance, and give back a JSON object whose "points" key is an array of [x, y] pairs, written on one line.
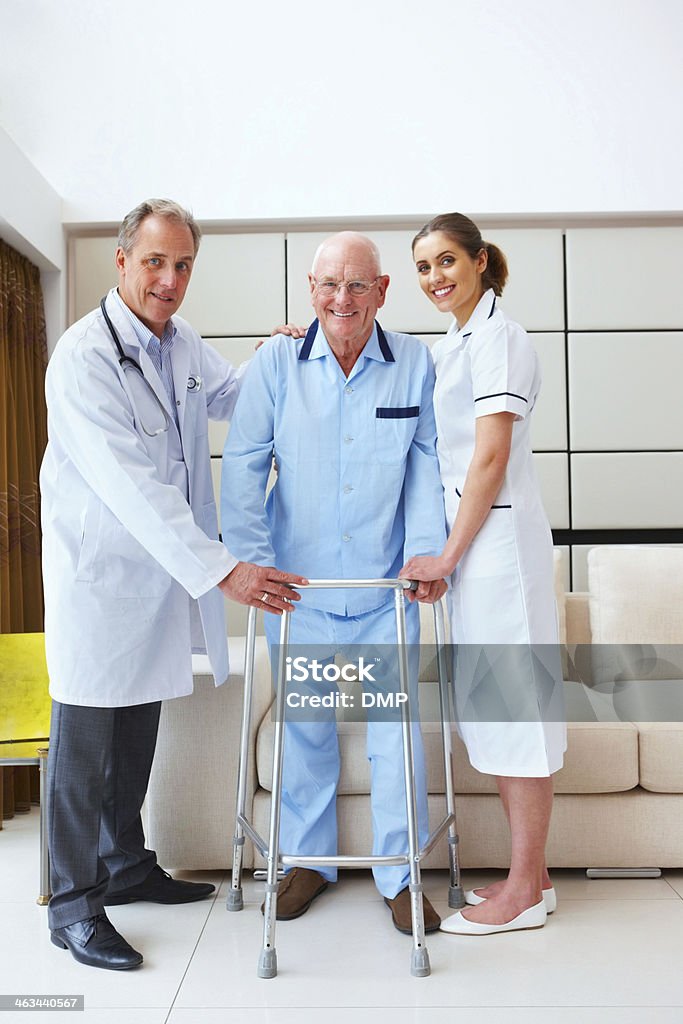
{"points": [[499, 558]]}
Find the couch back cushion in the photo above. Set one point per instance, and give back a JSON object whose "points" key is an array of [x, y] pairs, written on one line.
{"points": [[636, 594], [636, 616]]}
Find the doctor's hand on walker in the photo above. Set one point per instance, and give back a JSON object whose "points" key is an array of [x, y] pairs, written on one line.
{"points": [[262, 587]]}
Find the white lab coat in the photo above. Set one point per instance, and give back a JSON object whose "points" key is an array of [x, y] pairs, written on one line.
{"points": [[124, 554], [502, 590]]}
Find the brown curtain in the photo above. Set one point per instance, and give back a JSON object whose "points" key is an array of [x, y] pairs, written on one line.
{"points": [[23, 436]]}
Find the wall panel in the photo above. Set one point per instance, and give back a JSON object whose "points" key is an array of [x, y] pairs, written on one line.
{"points": [[552, 477], [624, 278], [534, 294], [627, 490], [236, 351], [91, 273], [237, 286], [625, 390], [549, 421]]}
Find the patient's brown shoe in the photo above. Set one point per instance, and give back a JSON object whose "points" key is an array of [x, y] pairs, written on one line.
{"points": [[400, 913], [296, 892]]}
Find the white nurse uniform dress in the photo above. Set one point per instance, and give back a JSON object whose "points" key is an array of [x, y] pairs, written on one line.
{"points": [[508, 676]]}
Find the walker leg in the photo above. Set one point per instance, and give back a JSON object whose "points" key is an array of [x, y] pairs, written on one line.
{"points": [[267, 965], [235, 900], [456, 897], [419, 964], [456, 894]]}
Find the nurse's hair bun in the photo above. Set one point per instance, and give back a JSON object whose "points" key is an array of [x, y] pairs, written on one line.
{"points": [[465, 232], [496, 274]]}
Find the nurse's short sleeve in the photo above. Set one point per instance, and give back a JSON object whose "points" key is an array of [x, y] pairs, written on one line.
{"points": [[504, 368]]}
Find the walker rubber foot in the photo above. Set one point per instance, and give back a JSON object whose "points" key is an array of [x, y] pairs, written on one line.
{"points": [[456, 897], [419, 964], [235, 900], [267, 965]]}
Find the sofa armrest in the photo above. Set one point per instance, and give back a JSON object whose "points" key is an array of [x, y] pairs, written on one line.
{"points": [[190, 808], [578, 618]]}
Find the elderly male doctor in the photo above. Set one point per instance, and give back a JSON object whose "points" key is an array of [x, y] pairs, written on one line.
{"points": [[133, 571]]}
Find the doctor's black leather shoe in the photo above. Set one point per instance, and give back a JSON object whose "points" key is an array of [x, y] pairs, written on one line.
{"points": [[96, 943], [159, 887]]}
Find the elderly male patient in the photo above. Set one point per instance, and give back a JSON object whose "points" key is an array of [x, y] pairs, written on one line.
{"points": [[347, 414]]}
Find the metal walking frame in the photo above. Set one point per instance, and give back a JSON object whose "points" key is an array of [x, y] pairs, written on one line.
{"points": [[419, 966]]}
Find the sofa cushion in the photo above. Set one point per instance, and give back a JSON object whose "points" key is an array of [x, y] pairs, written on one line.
{"points": [[661, 756], [601, 758]]}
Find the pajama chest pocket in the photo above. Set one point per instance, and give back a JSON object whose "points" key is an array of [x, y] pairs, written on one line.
{"points": [[395, 427]]}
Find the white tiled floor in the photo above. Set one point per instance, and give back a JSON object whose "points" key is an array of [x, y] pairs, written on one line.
{"points": [[611, 953]]}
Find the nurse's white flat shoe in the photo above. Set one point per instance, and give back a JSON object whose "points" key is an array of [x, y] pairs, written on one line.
{"points": [[532, 917], [549, 898]]}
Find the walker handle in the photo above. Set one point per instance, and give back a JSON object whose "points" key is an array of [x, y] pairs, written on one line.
{"points": [[383, 584]]}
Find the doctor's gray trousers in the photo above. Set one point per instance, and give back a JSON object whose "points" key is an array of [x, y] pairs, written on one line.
{"points": [[98, 770]]}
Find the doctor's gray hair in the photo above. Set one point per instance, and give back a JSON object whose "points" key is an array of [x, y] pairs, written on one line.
{"points": [[465, 232], [130, 224]]}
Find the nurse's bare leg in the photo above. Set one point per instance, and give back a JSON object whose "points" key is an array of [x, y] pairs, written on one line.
{"points": [[529, 805], [487, 891]]}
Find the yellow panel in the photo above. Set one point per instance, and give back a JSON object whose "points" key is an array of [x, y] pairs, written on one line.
{"points": [[24, 698]]}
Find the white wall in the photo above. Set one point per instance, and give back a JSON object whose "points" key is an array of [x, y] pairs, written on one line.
{"points": [[31, 222], [377, 108]]}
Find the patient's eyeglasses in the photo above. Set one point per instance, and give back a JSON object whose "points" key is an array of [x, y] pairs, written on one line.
{"points": [[355, 288]]}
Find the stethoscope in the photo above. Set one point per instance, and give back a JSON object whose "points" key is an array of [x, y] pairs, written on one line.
{"points": [[127, 363]]}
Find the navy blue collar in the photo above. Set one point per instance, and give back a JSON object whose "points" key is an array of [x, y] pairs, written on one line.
{"points": [[493, 309], [384, 347]]}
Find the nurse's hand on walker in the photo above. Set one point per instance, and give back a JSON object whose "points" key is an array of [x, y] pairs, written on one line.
{"points": [[428, 591], [262, 587], [427, 567]]}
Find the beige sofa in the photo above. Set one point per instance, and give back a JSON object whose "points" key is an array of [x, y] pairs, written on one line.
{"points": [[619, 796]]}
